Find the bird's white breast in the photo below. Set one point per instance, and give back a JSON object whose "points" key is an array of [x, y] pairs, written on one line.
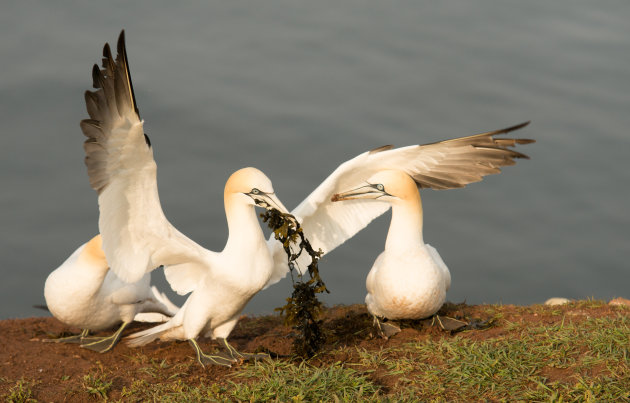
{"points": [[410, 285]]}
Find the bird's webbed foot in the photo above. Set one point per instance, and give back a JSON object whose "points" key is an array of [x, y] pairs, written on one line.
{"points": [[239, 356], [103, 344], [385, 329], [206, 359], [75, 339], [448, 324]]}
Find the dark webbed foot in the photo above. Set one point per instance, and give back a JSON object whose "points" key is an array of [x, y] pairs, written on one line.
{"points": [[236, 355], [448, 323], [206, 359], [75, 339], [103, 344], [386, 329]]}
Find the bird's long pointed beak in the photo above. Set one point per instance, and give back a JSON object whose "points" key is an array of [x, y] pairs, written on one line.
{"points": [[270, 201], [362, 192]]}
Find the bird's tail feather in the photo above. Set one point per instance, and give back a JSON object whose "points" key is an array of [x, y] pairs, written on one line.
{"points": [[163, 299], [147, 336], [151, 317], [156, 308], [43, 307]]}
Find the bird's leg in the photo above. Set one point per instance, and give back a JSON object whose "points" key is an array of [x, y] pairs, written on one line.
{"points": [[70, 339], [103, 344], [385, 329], [238, 355], [204, 359]]}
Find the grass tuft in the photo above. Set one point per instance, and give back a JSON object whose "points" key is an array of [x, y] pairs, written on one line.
{"points": [[96, 385], [21, 392], [287, 382]]}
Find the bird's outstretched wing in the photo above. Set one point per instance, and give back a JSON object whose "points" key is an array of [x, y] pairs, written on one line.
{"points": [[442, 165], [137, 237]]}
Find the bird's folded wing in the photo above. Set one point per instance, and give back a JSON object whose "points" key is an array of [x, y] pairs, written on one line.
{"points": [[442, 165], [122, 170]]}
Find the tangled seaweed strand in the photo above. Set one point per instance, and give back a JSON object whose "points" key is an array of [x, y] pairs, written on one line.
{"points": [[303, 308]]}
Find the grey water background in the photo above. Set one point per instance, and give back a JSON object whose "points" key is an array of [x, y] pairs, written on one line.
{"points": [[297, 87]]}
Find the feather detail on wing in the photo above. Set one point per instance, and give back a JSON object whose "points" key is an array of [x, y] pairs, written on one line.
{"points": [[137, 237], [442, 165]]}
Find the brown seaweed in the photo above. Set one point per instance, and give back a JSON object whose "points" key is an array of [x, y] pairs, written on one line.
{"points": [[302, 310]]}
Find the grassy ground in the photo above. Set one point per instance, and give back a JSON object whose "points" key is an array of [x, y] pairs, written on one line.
{"points": [[576, 352]]}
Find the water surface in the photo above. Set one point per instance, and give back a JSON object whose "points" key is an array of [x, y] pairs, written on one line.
{"points": [[295, 88]]}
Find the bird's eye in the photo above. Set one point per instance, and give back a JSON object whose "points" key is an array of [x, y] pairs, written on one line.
{"points": [[380, 187], [255, 191]]}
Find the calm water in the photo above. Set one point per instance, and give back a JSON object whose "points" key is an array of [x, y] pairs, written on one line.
{"points": [[297, 87]]}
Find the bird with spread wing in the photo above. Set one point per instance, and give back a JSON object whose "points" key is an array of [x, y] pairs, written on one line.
{"points": [[137, 237]]}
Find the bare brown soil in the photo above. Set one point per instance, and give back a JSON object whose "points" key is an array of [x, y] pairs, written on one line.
{"points": [[59, 369]]}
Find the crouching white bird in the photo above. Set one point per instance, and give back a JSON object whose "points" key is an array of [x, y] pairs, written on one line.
{"points": [[409, 279], [443, 165], [84, 293], [394, 288], [137, 237]]}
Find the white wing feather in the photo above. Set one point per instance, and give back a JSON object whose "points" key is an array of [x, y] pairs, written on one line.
{"points": [[137, 237]]}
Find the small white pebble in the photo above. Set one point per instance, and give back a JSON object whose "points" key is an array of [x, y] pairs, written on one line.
{"points": [[557, 301]]}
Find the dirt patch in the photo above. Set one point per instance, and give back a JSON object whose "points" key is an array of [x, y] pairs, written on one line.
{"points": [[64, 371]]}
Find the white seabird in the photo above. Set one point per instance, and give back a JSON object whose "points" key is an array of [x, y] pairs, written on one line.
{"points": [[442, 165], [409, 279], [84, 293], [137, 237]]}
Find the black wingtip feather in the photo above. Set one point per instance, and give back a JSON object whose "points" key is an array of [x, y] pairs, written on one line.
{"points": [[122, 53], [519, 126], [381, 148], [108, 60], [96, 76], [107, 51]]}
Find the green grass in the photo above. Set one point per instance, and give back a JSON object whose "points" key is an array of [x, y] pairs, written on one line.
{"points": [[585, 361], [589, 360], [273, 381], [283, 382], [96, 385], [21, 392]]}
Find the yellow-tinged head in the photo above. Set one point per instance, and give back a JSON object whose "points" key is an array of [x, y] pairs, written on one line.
{"points": [[253, 187], [388, 185]]}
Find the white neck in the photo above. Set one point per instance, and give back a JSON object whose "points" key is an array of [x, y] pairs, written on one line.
{"points": [[405, 229], [243, 226]]}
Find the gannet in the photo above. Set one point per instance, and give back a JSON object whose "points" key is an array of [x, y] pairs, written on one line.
{"points": [[84, 293], [137, 237], [409, 279], [442, 165]]}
